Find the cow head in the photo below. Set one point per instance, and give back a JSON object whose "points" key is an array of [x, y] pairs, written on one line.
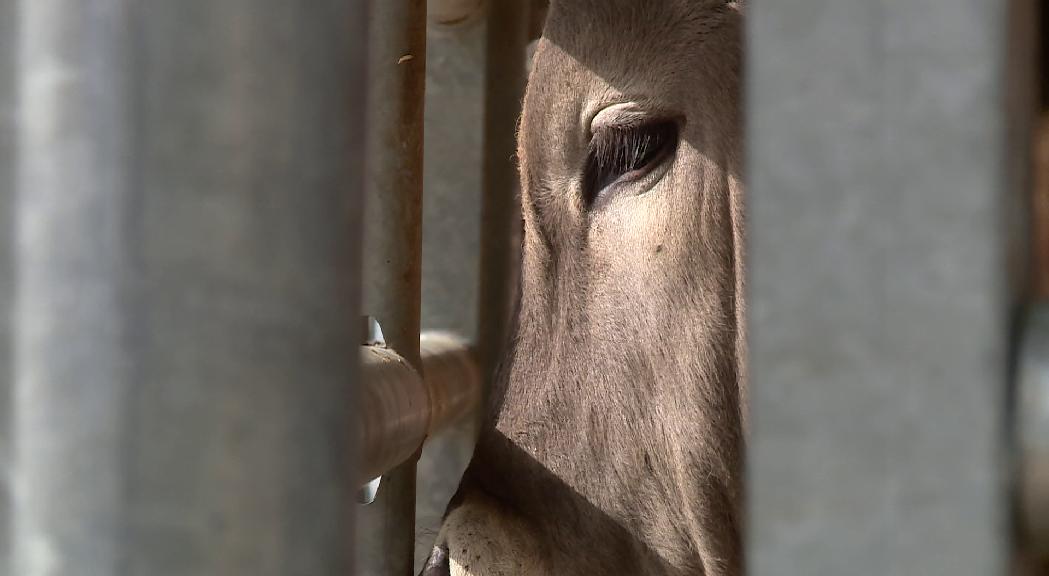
{"points": [[613, 441]]}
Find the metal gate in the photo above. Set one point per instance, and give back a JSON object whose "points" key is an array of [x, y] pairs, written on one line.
{"points": [[180, 319]]}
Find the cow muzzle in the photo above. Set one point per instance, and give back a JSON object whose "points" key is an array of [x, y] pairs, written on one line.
{"points": [[481, 538], [437, 564]]}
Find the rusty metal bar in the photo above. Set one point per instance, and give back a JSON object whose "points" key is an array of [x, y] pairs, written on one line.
{"points": [[455, 12], [399, 409], [8, 151], [508, 26], [397, 66]]}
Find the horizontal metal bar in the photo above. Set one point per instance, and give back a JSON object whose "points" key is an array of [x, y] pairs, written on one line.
{"points": [[452, 378], [399, 409]]}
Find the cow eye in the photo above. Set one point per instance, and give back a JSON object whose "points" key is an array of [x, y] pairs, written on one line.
{"points": [[625, 153]]}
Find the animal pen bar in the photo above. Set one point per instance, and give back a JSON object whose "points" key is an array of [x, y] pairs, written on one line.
{"points": [[180, 270], [180, 276], [885, 215], [179, 285]]}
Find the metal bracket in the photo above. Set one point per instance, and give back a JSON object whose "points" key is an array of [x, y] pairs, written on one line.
{"points": [[372, 333], [372, 336], [366, 495], [1032, 428]]}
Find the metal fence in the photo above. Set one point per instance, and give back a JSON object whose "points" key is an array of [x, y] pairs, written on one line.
{"points": [[885, 209], [180, 286], [183, 192], [180, 249]]}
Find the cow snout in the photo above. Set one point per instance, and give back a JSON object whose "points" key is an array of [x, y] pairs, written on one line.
{"points": [[481, 538], [437, 563]]}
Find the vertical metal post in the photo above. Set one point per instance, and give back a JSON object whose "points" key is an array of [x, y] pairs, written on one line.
{"points": [[451, 228], [184, 261], [8, 131], [880, 293], [69, 236], [504, 89], [397, 73]]}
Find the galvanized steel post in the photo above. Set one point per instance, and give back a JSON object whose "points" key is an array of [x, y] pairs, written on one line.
{"points": [[184, 254], [880, 299], [397, 71], [8, 130]]}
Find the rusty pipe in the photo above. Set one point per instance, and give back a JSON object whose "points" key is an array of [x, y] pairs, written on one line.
{"points": [[400, 409]]}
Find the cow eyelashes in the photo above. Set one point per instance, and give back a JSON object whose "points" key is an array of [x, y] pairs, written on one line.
{"points": [[626, 153]]}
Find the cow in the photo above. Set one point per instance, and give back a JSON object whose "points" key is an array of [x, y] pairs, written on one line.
{"points": [[613, 440]]}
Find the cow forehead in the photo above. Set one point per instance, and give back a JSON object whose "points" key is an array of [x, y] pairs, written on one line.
{"points": [[624, 40], [664, 54]]}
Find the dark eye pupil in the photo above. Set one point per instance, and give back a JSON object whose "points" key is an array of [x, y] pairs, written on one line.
{"points": [[618, 151]]}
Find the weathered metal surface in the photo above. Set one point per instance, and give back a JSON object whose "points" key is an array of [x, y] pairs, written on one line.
{"points": [[183, 246], [504, 89], [452, 378], [879, 294], [395, 411], [397, 74], [1032, 429], [455, 12], [399, 409], [454, 122], [8, 151], [393, 194]]}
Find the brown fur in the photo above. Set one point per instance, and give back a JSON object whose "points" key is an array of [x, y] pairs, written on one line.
{"points": [[614, 440]]}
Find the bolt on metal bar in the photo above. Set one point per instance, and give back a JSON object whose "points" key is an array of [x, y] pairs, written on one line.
{"points": [[400, 409], [184, 255], [1032, 429], [397, 66]]}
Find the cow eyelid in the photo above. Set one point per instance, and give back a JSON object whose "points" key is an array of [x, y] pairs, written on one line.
{"points": [[616, 151]]}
